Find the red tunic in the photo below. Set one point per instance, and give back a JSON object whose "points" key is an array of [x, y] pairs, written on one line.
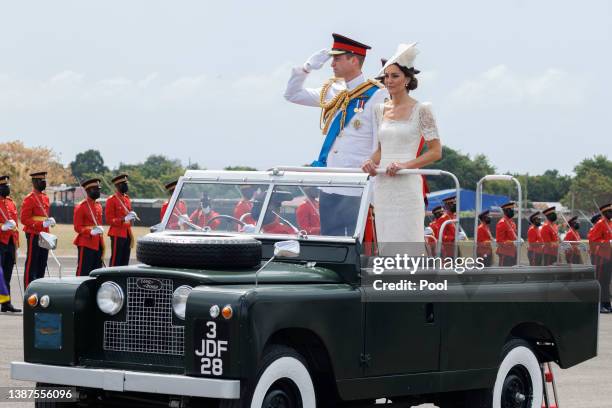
{"points": [[534, 238], [484, 238], [573, 252], [277, 227], [34, 210], [505, 236], [179, 209], [599, 238], [9, 209], [83, 224], [242, 207], [115, 215], [448, 236], [202, 220], [307, 215], [550, 238]]}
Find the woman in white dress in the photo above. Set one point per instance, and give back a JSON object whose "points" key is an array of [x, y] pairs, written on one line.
{"points": [[402, 121]]}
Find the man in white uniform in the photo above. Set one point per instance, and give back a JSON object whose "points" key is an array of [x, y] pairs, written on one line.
{"points": [[347, 121]]}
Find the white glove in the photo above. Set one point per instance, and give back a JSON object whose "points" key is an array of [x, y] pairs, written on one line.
{"points": [[9, 225], [317, 60], [428, 231], [183, 218], [130, 216], [565, 246], [462, 236], [49, 222], [249, 229], [97, 230]]}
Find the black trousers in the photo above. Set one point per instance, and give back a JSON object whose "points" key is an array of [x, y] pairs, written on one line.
{"points": [[603, 268], [120, 251], [338, 214], [88, 260], [487, 259], [548, 259], [535, 258], [7, 255], [505, 260], [36, 260]]}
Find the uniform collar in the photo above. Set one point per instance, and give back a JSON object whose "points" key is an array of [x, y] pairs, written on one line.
{"points": [[355, 82]]}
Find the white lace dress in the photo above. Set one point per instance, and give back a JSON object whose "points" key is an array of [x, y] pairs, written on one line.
{"points": [[398, 201]]}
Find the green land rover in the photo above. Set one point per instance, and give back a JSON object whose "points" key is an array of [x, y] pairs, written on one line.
{"points": [[237, 304]]}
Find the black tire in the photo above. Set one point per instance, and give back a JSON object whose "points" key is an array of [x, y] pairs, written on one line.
{"points": [[282, 379], [50, 404], [185, 250]]}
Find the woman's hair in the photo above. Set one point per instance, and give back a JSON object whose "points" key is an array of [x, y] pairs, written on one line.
{"points": [[410, 73]]}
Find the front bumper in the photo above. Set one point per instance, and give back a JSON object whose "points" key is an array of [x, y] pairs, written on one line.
{"points": [[133, 381]]}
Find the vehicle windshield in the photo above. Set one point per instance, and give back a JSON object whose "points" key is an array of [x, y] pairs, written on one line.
{"points": [[288, 209]]}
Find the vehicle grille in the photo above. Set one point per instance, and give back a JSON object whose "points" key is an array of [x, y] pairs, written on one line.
{"points": [[148, 327]]}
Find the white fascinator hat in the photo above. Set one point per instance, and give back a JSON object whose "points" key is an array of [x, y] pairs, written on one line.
{"points": [[404, 56]]}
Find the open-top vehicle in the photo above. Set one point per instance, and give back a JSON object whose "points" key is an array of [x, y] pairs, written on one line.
{"points": [[248, 308]]}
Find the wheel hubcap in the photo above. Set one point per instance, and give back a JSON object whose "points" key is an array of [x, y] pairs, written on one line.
{"points": [[517, 391], [283, 394]]}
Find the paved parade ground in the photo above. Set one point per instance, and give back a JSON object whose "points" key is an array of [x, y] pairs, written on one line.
{"points": [[588, 385]]}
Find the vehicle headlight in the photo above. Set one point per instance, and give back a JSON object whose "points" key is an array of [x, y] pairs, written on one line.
{"points": [[179, 300], [110, 298]]}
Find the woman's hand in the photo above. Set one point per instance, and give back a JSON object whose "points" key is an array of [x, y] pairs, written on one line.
{"points": [[394, 167], [369, 167]]}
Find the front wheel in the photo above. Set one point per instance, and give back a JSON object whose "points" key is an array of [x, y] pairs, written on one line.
{"points": [[283, 381]]}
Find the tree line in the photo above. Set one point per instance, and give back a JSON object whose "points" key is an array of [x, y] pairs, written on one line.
{"points": [[592, 179]]}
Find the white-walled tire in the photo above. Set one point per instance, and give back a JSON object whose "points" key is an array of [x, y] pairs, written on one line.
{"points": [[283, 380], [519, 380]]}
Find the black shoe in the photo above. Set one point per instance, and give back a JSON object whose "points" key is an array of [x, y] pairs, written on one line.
{"points": [[604, 310], [7, 307]]}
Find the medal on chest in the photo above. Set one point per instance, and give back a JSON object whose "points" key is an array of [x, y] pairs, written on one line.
{"points": [[357, 124]]}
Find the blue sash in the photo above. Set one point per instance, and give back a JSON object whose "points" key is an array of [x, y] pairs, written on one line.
{"points": [[334, 129]]}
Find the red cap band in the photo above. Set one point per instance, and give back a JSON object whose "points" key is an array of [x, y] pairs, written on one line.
{"points": [[351, 48]]}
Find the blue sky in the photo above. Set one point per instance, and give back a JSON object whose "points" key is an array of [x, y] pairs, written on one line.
{"points": [[525, 82]]}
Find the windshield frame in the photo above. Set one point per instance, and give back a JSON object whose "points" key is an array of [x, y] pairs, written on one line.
{"points": [[272, 181]]}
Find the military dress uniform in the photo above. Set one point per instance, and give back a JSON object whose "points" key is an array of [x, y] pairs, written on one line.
{"points": [[448, 235], [89, 239], [349, 123], [35, 219], [437, 213], [534, 242], [201, 219], [600, 237], [307, 216], [180, 208], [9, 240], [118, 206], [505, 236], [550, 239], [572, 253], [484, 249]]}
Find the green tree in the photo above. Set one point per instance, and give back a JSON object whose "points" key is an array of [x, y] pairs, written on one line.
{"points": [[467, 170], [593, 182], [88, 162], [239, 168]]}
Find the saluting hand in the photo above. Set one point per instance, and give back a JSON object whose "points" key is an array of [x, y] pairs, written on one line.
{"points": [[317, 60]]}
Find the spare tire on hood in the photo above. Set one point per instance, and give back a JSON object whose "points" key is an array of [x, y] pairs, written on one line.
{"points": [[195, 251]]}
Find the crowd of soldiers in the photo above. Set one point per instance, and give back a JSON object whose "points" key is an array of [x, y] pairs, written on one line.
{"points": [[544, 243]]}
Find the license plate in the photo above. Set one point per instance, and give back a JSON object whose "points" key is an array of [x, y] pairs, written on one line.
{"points": [[212, 346]]}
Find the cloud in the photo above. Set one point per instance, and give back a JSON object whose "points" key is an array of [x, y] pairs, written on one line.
{"points": [[500, 86]]}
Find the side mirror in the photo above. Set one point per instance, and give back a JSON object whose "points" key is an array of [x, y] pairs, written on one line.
{"points": [[287, 249], [157, 227], [47, 241]]}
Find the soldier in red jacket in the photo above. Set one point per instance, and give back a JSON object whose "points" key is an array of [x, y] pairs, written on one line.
{"points": [[205, 216], [448, 235], [484, 238], [572, 253], [88, 226], [246, 203], [505, 236], [119, 216], [437, 213], [180, 208], [534, 239], [9, 238], [307, 213], [550, 237], [600, 237], [35, 219]]}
